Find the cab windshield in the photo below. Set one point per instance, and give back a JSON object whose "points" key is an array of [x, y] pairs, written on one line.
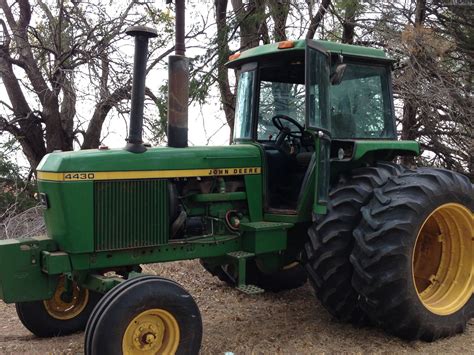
{"points": [[360, 106], [280, 93]]}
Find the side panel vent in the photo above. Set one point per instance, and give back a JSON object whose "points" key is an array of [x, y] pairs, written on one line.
{"points": [[130, 213]]}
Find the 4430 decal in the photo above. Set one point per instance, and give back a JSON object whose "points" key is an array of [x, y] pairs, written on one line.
{"points": [[79, 176]]}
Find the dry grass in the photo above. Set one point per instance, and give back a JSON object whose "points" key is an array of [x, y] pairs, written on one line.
{"points": [[291, 322]]}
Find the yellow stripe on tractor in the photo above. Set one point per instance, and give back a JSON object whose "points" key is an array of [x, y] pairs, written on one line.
{"points": [[145, 174]]}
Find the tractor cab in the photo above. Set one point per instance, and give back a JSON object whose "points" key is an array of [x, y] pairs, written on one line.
{"points": [[304, 101]]}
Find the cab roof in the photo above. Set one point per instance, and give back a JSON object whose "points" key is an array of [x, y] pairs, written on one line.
{"points": [[332, 47]]}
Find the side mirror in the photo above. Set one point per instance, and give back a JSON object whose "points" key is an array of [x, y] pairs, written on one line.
{"points": [[338, 74]]}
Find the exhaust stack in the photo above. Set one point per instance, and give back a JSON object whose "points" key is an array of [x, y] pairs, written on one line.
{"points": [[178, 85], [141, 34]]}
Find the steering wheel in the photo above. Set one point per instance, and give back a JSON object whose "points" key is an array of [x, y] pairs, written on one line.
{"points": [[284, 132], [277, 122]]}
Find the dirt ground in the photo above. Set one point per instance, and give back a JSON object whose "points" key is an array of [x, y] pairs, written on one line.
{"points": [[291, 322]]}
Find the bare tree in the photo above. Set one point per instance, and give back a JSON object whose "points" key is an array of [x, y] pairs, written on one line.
{"points": [[433, 79], [46, 50]]}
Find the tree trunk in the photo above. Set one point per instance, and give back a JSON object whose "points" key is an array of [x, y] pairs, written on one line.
{"points": [[317, 19], [28, 129], [349, 22], [94, 129], [251, 17], [55, 136], [409, 119], [227, 97], [279, 11]]}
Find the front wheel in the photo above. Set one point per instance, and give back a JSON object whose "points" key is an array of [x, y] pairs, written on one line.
{"points": [[145, 315], [63, 314], [414, 255]]}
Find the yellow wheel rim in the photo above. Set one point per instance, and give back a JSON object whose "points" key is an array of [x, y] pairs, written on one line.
{"points": [[442, 260], [154, 331], [60, 308]]}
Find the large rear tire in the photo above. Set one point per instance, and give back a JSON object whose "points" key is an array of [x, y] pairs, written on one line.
{"points": [[330, 241], [414, 255]]}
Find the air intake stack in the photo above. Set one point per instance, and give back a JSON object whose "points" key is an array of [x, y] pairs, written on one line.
{"points": [[141, 34], [178, 86]]}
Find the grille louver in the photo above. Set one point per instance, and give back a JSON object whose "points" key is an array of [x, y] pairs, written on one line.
{"points": [[130, 214]]}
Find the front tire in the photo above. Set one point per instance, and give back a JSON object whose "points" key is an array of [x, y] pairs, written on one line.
{"points": [[145, 315], [414, 255], [58, 316]]}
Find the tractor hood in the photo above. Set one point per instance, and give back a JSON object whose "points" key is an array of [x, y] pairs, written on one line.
{"points": [[159, 162]]}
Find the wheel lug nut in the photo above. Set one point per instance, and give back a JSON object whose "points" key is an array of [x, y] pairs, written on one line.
{"points": [[149, 338]]}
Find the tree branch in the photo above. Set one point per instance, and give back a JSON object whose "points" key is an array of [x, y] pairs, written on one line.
{"points": [[317, 19], [92, 136]]}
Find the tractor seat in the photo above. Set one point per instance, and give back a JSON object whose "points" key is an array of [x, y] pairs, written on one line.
{"points": [[277, 162], [304, 158]]}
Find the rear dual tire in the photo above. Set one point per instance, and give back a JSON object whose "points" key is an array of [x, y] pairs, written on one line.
{"points": [[414, 255], [331, 242]]}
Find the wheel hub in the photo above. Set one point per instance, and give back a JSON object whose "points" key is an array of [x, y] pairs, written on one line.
{"points": [[149, 335], [67, 305], [154, 331]]}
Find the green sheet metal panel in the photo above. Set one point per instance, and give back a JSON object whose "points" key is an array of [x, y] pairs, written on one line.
{"points": [[21, 277], [272, 49], [69, 215], [158, 158], [362, 147], [264, 237]]}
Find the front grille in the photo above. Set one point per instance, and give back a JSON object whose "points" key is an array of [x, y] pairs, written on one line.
{"points": [[130, 213]]}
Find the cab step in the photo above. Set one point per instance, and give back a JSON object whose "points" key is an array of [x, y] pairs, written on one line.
{"points": [[250, 289]]}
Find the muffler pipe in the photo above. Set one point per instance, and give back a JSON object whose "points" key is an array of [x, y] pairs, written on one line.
{"points": [[141, 34], [178, 85], [178, 101]]}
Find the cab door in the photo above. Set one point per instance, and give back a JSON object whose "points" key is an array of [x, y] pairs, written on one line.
{"points": [[318, 118]]}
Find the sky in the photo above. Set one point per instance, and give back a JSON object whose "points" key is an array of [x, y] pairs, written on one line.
{"points": [[207, 125]]}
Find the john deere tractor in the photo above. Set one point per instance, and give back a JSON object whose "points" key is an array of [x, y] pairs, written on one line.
{"points": [[308, 189]]}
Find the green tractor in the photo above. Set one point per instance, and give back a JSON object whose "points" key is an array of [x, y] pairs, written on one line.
{"points": [[308, 189]]}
